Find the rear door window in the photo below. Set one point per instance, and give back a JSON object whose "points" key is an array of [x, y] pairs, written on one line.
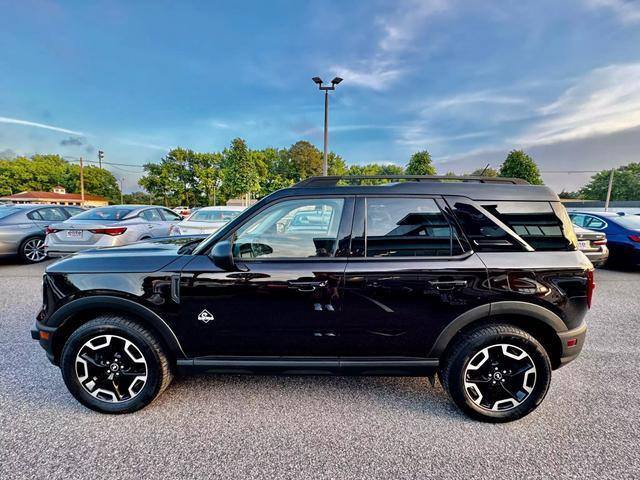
{"points": [[539, 224], [151, 215], [53, 214], [407, 227]]}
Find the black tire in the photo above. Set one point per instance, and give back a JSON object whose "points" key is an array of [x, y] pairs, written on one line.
{"points": [[480, 345], [31, 249], [154, 357]]}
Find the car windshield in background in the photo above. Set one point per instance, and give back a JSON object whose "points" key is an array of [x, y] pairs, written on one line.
{"points": [[106, 213], [214, 215], [628, 221], [6, 211]]}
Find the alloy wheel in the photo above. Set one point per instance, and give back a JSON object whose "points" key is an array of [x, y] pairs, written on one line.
{"points": [[500, 377], [111, 368], [34, 250]]}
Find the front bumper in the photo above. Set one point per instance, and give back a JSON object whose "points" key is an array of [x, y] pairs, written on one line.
{"points": [[572, 342], [44, 336]]}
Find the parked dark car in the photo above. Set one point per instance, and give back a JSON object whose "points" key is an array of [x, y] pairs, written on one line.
{"points": [[593, 244], [477, 280], [22, 228], [622, 231]]}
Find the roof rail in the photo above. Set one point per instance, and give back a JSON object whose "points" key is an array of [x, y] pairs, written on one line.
{"points": [[332, 181]]}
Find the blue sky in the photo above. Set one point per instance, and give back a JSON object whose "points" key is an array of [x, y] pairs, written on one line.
{"points": [[466, 80]]}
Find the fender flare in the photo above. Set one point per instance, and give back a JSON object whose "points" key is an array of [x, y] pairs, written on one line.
{"points": [[118, 304], [522, 309]]}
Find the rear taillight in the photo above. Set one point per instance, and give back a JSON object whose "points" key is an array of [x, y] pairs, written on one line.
{"points": [[602, 241], [591, 285], [634, 238], [51, 230], [110, 231]]}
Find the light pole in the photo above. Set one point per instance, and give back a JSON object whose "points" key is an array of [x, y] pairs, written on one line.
{"points": [[326, 89]]}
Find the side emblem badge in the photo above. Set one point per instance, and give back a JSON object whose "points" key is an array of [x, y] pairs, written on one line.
{"points": [[205, 316]]}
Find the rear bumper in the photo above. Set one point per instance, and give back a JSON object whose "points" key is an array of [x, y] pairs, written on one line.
{"points": [[572, 342], [598, 258]]}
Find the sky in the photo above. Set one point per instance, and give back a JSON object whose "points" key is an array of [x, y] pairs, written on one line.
{"points": [[466, 80]]}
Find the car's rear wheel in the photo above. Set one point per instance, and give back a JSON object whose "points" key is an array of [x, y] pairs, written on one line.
{"points": [[114, 365], [497, 373], [31, 249]]}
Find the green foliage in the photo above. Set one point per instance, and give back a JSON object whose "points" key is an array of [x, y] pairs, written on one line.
{"points": [[569, 195], [626, 184], [43, 172], [420, 164], [488, 172], [240, 174], [520, 165], [305, 160], [138, 198], [375, 169]]}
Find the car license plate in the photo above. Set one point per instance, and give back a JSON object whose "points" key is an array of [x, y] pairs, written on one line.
{"points": [[584, 244], [74, 234]]}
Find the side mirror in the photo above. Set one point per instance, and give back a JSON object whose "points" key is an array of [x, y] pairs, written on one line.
{"points": [[222, 255]]}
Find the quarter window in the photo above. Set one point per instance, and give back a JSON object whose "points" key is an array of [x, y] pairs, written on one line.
{"points": [[408, 227], [304, 228]]}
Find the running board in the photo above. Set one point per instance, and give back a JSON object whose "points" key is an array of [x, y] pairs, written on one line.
{"points": [[370, 365]]}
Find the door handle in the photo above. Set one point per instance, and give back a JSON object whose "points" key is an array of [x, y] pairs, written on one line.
{"points": [[302, 286], [448, 284]]}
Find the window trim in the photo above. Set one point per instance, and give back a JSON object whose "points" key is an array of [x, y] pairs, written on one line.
{"points": [[361, 203], [344, 229]]}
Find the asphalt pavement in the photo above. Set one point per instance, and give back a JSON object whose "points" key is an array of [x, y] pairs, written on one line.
{"points": [[308, 427]]}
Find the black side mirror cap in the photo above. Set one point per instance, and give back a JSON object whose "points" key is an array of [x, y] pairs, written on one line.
{"points": [[222, 255]]}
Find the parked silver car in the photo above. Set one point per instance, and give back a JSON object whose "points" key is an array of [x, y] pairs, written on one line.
{"points": [[593, 245], [109, 227], [22, 228], [206, 220]]}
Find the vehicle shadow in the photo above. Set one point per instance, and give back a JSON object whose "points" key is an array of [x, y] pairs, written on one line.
{"points": [[409, 394]]}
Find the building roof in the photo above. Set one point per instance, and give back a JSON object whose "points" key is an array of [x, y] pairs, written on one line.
{"points": [[53, 196]]}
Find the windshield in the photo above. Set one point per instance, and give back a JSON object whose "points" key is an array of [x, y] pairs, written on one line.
{"points": [[214, 215], [105, 213], [628, 221], [6, 211]]}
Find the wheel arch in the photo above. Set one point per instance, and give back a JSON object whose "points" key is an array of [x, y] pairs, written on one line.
{"points": [[539, 322], [77, 312]]}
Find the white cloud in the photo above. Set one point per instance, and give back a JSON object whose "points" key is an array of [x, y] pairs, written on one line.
{"points": [[485, 96], [398, 32], [627, 11], [606, 100], [27, 123]]}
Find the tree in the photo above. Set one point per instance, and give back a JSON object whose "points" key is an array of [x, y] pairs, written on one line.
{"points": [[336, 165], [626, 184], [520, 165], [305, 160], [420, 164], [138, 198], [485, 172], [207, 173], [240, 175], [375, 169], [97, 181]]}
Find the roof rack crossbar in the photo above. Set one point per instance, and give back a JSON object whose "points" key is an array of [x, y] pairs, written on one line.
{"points": [[332, 181]]}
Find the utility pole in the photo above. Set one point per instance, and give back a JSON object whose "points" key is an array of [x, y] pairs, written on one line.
{"points": [[326, 89], [121, 195], [81, 183], [100, 157], [606, 202]]}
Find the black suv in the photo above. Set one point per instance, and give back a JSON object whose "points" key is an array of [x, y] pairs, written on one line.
{"points": [[475, 279]]}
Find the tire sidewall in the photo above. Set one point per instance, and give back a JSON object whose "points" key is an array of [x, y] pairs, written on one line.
{"points": [[543, 377], [68, 367]]}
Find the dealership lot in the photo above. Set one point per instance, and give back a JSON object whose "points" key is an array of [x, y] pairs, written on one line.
{"points": [[322, 427]]}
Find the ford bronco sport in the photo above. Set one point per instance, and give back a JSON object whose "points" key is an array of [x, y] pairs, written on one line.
{"points": [[475, 279]]}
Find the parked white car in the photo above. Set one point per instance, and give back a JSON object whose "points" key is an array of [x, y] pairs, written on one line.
{"points": [[206, 220], [109, 227]]}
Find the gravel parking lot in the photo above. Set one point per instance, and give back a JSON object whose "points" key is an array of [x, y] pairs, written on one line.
{"points": [[322, 427]]}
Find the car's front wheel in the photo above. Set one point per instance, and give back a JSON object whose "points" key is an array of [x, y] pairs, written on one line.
{"points": [[114, 365], [497, 373]]}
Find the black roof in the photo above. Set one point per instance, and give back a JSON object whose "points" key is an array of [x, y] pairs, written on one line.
{"points": [[475, 188]]}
